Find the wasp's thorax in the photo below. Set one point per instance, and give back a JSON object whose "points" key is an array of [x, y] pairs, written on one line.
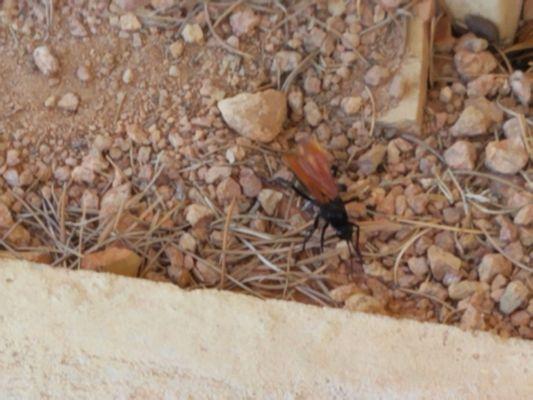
{"points": [[335, 213]]}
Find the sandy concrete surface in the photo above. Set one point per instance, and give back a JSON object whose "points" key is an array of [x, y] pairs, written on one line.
{"points": [[84, 335]]}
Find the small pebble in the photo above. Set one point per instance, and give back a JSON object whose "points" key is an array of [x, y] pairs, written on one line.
{"points": [[83, 73], [269, 200], [375, 75], [472, 65], [192, 33], [461, 155], [312, 113], [69, 102], [514, 295], [127, 76], [336, 7], [505, 156], [129, 22], [45, 60], [351, 105], [243, 22], [176, 49], [442, 262], [286, 61], [372, 159], [471, 122], [196, 213]]}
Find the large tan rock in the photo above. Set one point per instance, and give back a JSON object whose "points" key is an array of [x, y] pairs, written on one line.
{"points": [[258, 116]]}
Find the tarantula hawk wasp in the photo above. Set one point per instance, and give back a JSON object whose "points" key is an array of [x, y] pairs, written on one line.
{"points": [[312, 166]]}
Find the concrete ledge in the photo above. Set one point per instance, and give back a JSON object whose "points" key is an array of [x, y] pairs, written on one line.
{"points": [[84, 335]]}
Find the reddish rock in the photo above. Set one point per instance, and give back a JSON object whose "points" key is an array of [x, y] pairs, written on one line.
{"points": [[376, 74], [370, 161], [114, 260], [472, 65], [461, 155], [485, 85], [442, 262], [114, 199], [471, 122], [525, 215], [286, 61], [243, 22], [196, 213], [505, 156], [227, 190], [250, 183], [515, 295], [492, 265], [6, 220]]}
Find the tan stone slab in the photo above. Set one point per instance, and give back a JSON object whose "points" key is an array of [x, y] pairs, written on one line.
{"points": [[409, 112], [504, 13], [85, 335]]}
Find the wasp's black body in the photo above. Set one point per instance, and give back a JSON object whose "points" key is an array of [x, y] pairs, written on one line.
{"points": [[313, 167], [334, 214]]}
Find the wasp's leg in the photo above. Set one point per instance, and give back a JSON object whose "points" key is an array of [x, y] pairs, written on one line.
{"points": [[322, 236], [279, 181], [311, 231], [356, 246]]}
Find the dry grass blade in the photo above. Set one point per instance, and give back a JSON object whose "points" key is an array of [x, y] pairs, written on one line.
{"points": [[220, 41], [299, 9], [496, 178], [428, 296], [296, 71], [403, 249], [427, 224], [339, 36], [225, 235], [227, 12]]}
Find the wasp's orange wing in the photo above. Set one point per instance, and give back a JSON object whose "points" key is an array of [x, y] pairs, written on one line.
{"points": [[312, 166]]}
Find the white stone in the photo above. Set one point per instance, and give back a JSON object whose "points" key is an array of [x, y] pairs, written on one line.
{"points": [[69, 102], [192, 33], [129, 22], [45, 60]]}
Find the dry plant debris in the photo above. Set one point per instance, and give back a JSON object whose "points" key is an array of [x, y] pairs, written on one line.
{"points": [[140, 137]]}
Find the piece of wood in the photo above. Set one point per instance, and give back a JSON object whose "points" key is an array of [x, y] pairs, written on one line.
{"points": [[86, 335], [409, 112]]}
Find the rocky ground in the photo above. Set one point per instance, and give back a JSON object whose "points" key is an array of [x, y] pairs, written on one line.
{"points": [[139, 137]]}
